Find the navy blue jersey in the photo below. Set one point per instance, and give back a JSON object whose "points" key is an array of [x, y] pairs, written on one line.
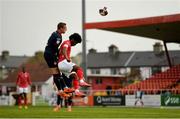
{"points": [[53, 43]]}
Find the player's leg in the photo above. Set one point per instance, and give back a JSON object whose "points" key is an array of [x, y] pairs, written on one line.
{"points": [[61, 92], [66, 88], [69, 104], [142, 104], [25, 101], [80, 75], [67, 84], [136, 102], [68, 101], [65, 68], [51, 61], [20, 100], [68, 67], [60, 85], [75, 82], [25, 92], [59, 103], [62, 96], [20, 97]]}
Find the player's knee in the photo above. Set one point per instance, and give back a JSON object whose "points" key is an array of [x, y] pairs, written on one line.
{"points": [[75, 67], [73, 75]]}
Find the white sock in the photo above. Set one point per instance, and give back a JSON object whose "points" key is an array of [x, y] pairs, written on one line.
{"points": [[77, 90], [81, 81], [60, 90]]}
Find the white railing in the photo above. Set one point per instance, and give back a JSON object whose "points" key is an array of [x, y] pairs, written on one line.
{"points": [[41, 100]]}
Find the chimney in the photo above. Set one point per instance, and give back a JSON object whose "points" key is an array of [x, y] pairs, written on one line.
{"points": [[158, 48], [5, 55], [92, 50], [113, 49]]}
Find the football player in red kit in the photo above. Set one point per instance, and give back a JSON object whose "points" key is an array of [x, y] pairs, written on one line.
{"points": [[67, 67], [23, 82]]}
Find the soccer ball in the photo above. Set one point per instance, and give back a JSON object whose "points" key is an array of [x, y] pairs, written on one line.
{"points": [[103, 11]]}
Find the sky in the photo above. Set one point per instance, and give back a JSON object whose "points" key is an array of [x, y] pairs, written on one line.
{"points": [[25, 25]]}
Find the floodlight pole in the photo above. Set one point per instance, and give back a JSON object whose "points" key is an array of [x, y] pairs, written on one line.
{"points": [[84, 57]]}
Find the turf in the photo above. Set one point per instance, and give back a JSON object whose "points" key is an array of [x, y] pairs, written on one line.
{"points": [[90, 112]]}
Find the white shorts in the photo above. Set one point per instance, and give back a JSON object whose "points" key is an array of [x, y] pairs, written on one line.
{"points": [[66, 67], [23, 90]]}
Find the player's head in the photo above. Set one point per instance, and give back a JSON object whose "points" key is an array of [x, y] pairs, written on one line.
{"points": [[75, 38], [23, 69], [61, 27]]}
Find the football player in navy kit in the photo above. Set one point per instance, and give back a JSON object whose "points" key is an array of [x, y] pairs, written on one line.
{"points": [[51, 54]]}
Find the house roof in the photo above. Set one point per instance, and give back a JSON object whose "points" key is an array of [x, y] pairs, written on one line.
{"points": [[131, 59], [149, 58], [96, 60], [38, 73], [165, 28], [13, 61]]}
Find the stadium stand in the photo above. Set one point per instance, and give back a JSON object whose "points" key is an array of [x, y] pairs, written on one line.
{"points": [[163, 81]]}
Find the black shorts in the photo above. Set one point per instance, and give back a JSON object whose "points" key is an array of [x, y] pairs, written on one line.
{"points": [[62, 82], [67, 81], [51, 59]]}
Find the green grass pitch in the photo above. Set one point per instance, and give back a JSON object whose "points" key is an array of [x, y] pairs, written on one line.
{"points": [[89, 112]]}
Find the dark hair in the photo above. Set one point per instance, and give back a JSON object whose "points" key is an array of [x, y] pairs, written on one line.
{"points": [[76, 37], [61, 25]]}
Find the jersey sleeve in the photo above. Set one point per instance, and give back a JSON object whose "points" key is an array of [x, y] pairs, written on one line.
{"points": [[29, 80], [66, 45]]}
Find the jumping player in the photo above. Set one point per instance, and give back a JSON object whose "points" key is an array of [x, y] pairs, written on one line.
{"points": [[51, 55], [23, 82], [67, 67], [67, 82]]}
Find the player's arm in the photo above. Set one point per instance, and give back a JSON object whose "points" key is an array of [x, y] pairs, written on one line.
{"points": [[29, 80], [64, 51]]}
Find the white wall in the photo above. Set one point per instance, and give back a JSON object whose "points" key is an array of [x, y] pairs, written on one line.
{"points": [[47, 88], [145, 72], [105, 71], [88, 71], [164, 69], [148, 100]]}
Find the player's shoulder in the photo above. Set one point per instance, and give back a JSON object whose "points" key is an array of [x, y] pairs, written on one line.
{"points": [[56, 34], [27, 73], [66, 42], [53, 35]]}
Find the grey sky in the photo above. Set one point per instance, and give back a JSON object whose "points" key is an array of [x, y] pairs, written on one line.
{"points": [[25, 25]]}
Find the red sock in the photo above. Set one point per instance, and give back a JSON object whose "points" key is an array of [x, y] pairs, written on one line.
{"points": [[19, 101], [75, 83], [80, 73]]}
